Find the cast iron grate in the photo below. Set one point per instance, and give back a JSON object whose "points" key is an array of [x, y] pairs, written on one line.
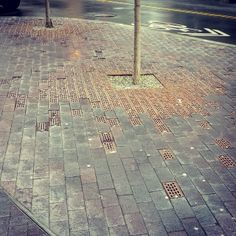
{"points": [[43, 94], [173, 190], [76, 113], [108, 142], [135, 120], [205, 125], [227, 161], [223, 143], [54, 118], [160, 125], [4, 82], [167, 154], [42, 126], [96, 104]]}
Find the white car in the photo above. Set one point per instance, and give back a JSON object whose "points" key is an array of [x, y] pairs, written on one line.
{"points": [[10, 4]]}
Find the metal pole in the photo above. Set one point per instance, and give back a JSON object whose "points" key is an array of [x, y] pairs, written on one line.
{"points": [[137, 42]]}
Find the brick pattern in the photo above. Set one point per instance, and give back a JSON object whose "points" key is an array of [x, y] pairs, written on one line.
{"points": [[87, 159]]}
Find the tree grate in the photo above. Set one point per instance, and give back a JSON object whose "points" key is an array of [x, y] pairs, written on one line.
{"points": [[135, 120], [223, 143], [54, 118], [76, 113], [167, 154], [227, 161], [42, 126], [205, 125], [173, 190]]}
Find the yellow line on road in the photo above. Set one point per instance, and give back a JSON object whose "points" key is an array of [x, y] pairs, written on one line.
{"points": [[175, 10]]}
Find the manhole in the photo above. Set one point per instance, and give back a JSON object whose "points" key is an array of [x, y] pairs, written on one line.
{"points": [[76, 113], [223, 143], [135, 120], [205, 125], [167, 154], [173, 190], [42, 126], [125, 81], [54, 118], [227, 161]]}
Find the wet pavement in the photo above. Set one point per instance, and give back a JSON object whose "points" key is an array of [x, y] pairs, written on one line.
{"points": [[86, 158], [212, 20]]}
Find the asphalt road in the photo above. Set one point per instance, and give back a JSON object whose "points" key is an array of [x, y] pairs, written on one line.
{"points": [[195, 18]]}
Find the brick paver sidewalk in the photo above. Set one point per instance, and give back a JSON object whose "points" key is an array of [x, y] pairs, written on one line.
{"points": [[88, 159]]}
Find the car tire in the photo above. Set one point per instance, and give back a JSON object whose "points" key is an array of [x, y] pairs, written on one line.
{"points": [[10, 4]]}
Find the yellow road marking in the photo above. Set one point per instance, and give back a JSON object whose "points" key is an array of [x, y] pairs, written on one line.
{"points": [[175, 10]]}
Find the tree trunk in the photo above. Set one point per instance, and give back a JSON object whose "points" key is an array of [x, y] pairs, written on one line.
{"points": [[47, 13], [137, 42]]}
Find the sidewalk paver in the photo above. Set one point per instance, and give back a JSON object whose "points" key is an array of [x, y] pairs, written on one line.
{"points": [[86, 158]]}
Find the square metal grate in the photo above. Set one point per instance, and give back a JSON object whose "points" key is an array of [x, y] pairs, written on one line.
{"points": [[223, 143], [20, 101], [227, 161], [42, 126], [173, 190], [101, 119], [167, 154]]}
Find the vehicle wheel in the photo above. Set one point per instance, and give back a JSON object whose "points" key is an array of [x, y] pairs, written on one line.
{"points": [[11, 4]]}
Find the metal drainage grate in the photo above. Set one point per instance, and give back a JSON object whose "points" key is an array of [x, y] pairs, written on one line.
{"points": [[173, 190], [223, 143], [76, 113], [108, 142], [42, 126], [205, 125], [12, 94], [54, 118], [135, 120], [160, 125], [96, 104], [227, 161], [43, 94], [167, 154]]}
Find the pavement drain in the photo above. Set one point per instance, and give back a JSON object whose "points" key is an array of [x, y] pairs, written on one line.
{"points": [[173, 190], [4, 82], [135, 120], [166, 154], [108, 142], [205, 125], [20, 101], [76, 113], [43, 94], [227, 161], [54, 118], [223, 143], [42, 126]]}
